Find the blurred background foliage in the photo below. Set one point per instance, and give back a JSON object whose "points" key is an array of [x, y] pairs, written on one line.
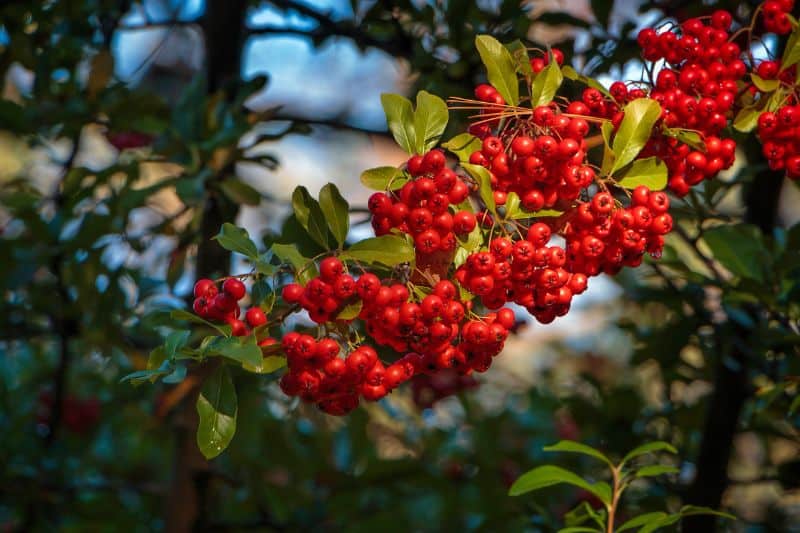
{"points": [[129, 131]]}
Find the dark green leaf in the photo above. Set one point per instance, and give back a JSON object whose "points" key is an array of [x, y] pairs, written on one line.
{"points": [[634, 131], [218, 408], [500, 67], [288, 253], [239, 349], [181, 314], [430, 120], [309, 214], [400, 119], [739, 248], [336, 211], [237, 240]]}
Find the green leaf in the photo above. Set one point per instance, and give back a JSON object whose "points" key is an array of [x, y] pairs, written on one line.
{"points": [[634, 131], [747, 119], [350, 311], [268, 365], [218, 408], [240, 349], [650, 447], [654, 525], [389, 250], [548, 475], [500, 67], [481, 175], [791, 54], [466, 246], [546, 84], [157, 357], [463, 145], [579, 529], [309, 214], [572, 74], [795, 405], [236, 239], [400, 119], [181, 314], [641, 520], [430, 120], [739, 248], [288, 253], [174, 342], [383, 178], [336, 211], [542, 213], [606, 129], [691, 510], [651, 172], [520, 54], [240, 192], [511, 206], [576, 447], [765, 86], [690, 137], [656, 470]]}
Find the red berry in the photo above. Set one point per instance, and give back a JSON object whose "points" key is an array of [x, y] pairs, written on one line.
{"points": [[235, 288], [255, 317]]}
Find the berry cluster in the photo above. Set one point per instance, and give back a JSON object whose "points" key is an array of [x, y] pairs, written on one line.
{"points": [[223, 306], [324, 296], [421, 208], [696, 90], [603, 238], [780, 133], [526, 272], [775, 16], [450, 320], [544, 162]]}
